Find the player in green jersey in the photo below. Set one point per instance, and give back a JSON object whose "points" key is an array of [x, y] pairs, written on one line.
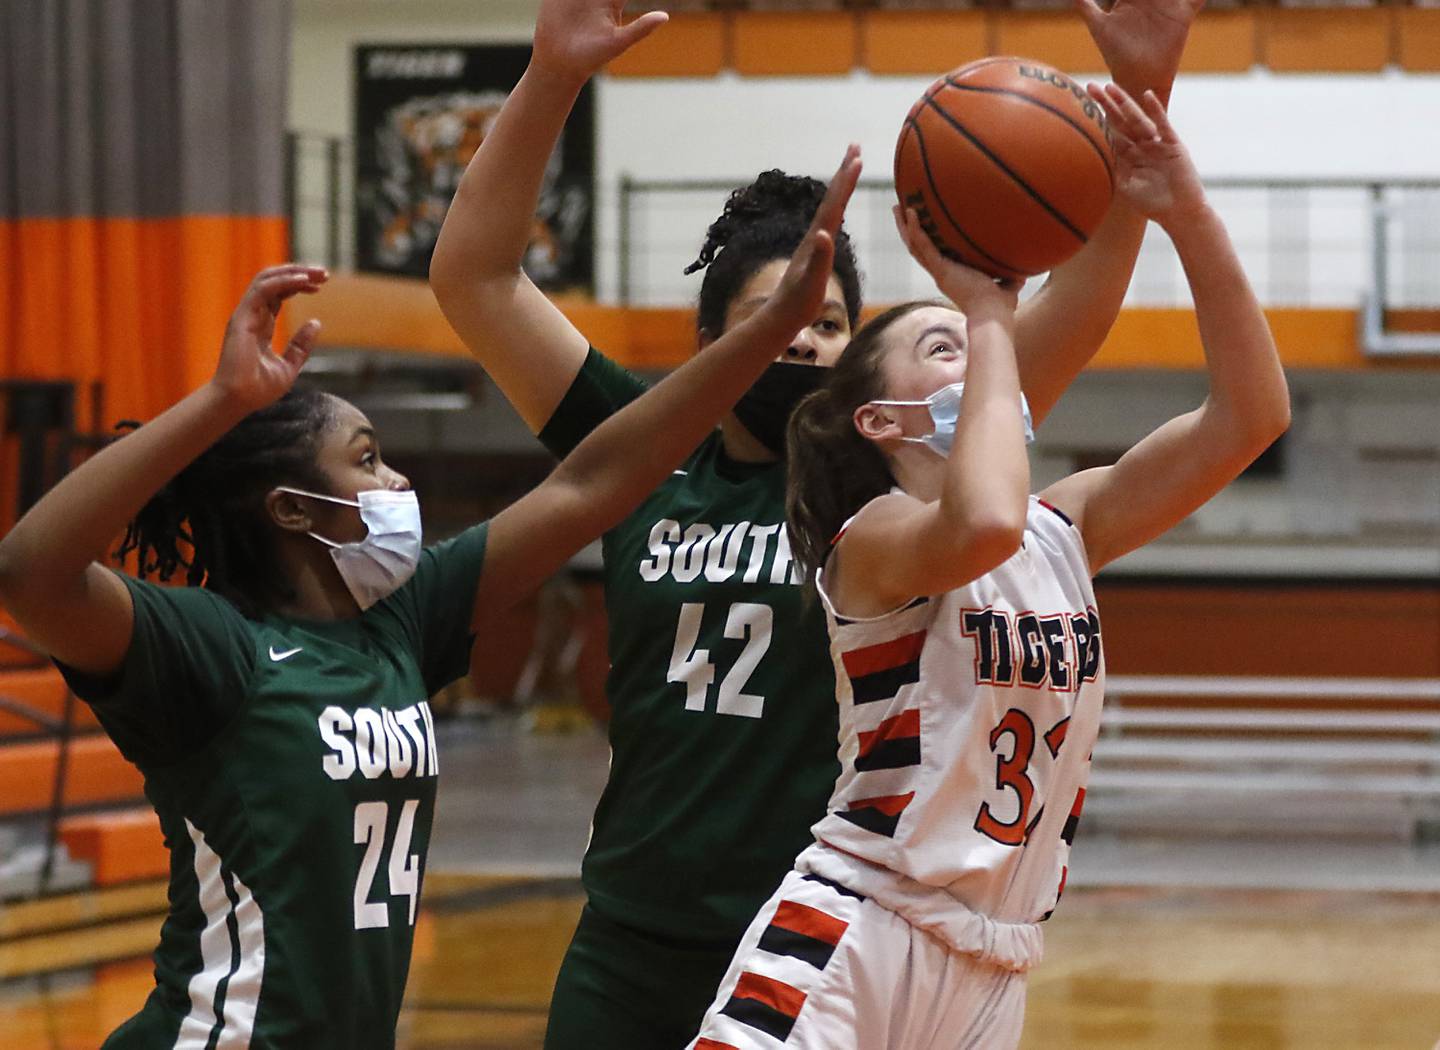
{"points": [[277, 706], [723, 722]]}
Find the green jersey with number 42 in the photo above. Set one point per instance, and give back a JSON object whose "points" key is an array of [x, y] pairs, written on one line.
{"points": [[723, 719]]}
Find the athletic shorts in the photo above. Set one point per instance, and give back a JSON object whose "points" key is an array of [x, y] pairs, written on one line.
{"points": [[623, 989], [822, 968]]}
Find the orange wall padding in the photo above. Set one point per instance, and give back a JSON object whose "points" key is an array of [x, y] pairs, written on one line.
{"points": [[695, 45], [1222, 42], [392, 313], [919, 42], [922, 42], [1058, 38], [1417, 37], [816, 43], [1326, 40]]}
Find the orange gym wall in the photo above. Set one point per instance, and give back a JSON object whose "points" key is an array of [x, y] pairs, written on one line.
{"points": [[1312, 40], [369, 312]]}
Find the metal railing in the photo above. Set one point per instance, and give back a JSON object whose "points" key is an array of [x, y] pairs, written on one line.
{"points": [[1305, 242]]}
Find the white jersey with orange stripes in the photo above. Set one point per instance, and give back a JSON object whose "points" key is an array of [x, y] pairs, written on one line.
{"points": [[953, 713]]}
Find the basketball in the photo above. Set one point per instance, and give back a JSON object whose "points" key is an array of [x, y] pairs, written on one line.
{"points": [[1007, 163]]}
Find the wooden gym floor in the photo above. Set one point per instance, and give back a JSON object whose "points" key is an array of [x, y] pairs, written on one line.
{"points": [[1252, 966], [1180, 970]]}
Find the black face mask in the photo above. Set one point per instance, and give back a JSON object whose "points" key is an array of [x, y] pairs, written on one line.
{"points": [[765, 408]]}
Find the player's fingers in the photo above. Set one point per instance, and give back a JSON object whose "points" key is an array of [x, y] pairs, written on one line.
{"points": [[925, 251], [1089, 10], [636, 31], [1137, 125], [837, 195], [1155, 109], [270, 292], [284, 269], [297, 351], [1114, 119]]}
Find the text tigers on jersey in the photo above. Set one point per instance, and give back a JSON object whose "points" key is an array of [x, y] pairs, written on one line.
{"points": [[761, 552], [1056, 651]]}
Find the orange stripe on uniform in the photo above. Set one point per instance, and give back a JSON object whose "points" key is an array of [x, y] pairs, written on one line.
{"points": [[777, 995], [882, 657], [712, 1044], [801, 918], [906, 724], [890, 805]]}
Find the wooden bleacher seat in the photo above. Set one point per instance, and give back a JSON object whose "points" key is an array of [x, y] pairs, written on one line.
{"points": [[41, 690], [96, 775], [1326, 755], [120, 846]]}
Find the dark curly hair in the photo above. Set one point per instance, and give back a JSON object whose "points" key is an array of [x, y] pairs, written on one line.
{"points": [[762, 222], [210, 520]]}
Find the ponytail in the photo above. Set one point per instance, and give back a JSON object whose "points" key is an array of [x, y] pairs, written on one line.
{"points": [[832, 470]]}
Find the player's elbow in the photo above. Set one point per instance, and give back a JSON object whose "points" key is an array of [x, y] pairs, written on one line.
{"points": [[983, 541], [995, 537]]}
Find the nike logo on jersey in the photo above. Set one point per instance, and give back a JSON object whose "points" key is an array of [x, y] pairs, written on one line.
{"points": [[683, 554], [277, 657]]}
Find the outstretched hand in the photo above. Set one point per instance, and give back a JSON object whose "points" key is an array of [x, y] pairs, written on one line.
{"points": [[1141, 40], [249, 370], [1153, 169], [576, 38], [971, 290], [801, 292]]}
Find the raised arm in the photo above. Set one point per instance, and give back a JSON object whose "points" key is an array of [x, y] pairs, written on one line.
{"points": [[632, 452], [51, 578], [522, 339], [979, 516], [1186, 461], [1062, 326]]}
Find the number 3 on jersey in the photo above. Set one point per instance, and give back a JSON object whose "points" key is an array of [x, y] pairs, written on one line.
{"points": [[747, 621]]}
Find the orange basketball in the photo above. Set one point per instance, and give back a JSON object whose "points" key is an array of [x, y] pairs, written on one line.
{"points": [[1008, 165]]}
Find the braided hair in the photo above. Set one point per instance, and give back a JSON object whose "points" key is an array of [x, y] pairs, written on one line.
{"points": [[762, 222], [210, 520]]}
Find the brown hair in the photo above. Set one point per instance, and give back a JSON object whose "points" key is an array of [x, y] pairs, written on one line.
{"points": [[833, 470]]}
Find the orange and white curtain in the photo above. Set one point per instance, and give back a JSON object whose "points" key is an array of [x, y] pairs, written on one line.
{"points": [[141, 184]]}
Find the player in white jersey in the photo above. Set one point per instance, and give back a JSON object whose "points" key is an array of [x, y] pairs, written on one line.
{"points": [[966, 642]]}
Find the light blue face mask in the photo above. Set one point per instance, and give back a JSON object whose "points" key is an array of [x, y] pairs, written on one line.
{"points": [[944, 406]]}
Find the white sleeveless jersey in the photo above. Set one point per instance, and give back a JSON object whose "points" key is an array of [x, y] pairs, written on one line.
{"points": [[953, 710]]}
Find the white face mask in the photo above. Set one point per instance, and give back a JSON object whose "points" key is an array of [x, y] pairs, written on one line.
{"points": [[385, 559], [944, 406]]}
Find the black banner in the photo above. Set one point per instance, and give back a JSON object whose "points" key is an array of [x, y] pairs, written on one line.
{"points": [[421, 112]]}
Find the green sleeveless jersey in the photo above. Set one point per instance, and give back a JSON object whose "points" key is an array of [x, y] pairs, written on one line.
{"points": [[293, 767], [723, 719]]}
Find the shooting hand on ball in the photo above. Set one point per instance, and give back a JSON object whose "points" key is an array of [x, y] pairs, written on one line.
{"points": [[973, 292], [1153, 169]]}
